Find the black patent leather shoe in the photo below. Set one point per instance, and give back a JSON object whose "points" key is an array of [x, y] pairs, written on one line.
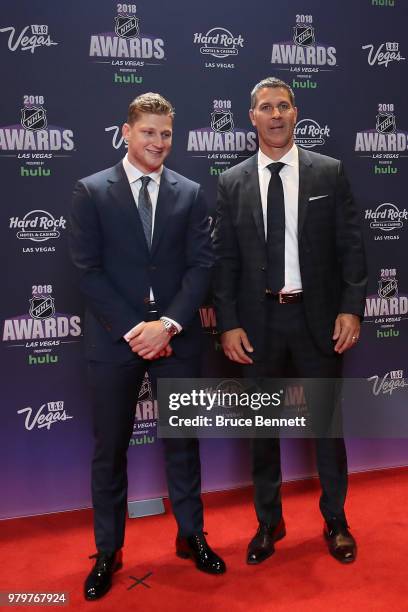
{"points": [[342, 546], [99, 580], [196, 547], [262, 544]]}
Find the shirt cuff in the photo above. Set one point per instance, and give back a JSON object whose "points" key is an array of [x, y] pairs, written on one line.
{"points": [[128, 334], [177, 325]]}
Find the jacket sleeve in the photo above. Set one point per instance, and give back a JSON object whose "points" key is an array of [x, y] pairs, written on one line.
{"points": [[86, 248], [350, 249], [227, 263], [199, 264]]}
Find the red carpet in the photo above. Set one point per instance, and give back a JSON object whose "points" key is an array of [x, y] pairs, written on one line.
{"points": [[49, 554]]}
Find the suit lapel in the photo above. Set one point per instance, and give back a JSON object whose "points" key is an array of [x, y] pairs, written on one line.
{"points": [[122, 194], [253, 195], [305, 187], [166, 203]]}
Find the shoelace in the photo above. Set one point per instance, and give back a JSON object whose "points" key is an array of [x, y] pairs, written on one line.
{"points": [[101, 560]]}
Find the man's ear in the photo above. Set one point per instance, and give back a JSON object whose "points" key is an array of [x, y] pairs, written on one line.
{"points": [[125, 130], [252, 117]]}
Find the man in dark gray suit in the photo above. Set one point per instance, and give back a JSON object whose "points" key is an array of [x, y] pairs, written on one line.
{"points": [[139, 237], [290, 282]]}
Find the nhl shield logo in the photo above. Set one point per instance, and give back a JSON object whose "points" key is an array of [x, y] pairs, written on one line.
{"points": [[34, 118], [385, 123], [388, 288], [127, 27], [42, 307], [303, 35], [222, 121], [145, 393]]}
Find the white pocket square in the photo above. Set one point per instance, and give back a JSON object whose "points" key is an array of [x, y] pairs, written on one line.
{"points": [[318, 197]]}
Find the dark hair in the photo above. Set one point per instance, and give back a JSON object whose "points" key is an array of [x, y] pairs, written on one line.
{"points": [[274, 83]]}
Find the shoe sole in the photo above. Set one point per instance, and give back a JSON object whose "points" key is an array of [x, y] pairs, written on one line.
{"points": [[278, 537]]}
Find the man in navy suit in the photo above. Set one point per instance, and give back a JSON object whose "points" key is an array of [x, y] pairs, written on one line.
{"points": [[290, 282], [139, 237]]}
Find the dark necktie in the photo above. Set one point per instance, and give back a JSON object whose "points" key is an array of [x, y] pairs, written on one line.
{"points": [[275, 239], [145, 209]]}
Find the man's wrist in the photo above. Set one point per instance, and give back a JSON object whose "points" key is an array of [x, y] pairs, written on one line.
{"points": [[169, 326]]}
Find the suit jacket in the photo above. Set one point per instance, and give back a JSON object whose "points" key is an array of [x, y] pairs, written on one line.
{"points": [[117, 269], [331, 253]]}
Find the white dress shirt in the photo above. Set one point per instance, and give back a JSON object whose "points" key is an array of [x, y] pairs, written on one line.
{"points": [[290, 181], [134, 175]]}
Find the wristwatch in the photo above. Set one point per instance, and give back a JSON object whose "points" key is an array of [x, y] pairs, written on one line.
{"points": [[170, 328]]}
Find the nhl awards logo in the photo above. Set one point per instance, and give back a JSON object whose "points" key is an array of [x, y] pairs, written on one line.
{"points": [[43, 329], [42, 307], [127, 26], [34, 140], [146, 415], [304, 35], [222, 140], [303, 55], [222, 121], [387, 288], [385, 123], [127, 48], [386, 143], [388, 307], [34, 118]]}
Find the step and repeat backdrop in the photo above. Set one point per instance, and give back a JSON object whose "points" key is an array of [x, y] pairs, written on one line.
{"points": [[69, 71]]}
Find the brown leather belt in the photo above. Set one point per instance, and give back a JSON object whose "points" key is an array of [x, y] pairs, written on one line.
{"points": [[285, 298]]}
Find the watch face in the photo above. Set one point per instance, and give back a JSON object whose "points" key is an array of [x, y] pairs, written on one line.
{"points": [[169, 327]]}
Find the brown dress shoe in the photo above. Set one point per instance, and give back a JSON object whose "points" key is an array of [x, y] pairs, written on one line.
{"points": [[262, 544], [342, 546]]}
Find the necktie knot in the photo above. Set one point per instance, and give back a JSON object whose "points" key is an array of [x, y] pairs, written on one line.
{"points": [[276, 167], [145, 180]]}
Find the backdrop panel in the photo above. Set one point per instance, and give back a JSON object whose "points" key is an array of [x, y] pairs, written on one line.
{"points": [[69, 70]]}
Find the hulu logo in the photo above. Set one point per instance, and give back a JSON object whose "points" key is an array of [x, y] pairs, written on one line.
{"points": [[141, 440], [385, 170], [127, 79], [303, 84], [383, 2], [389, 333], [216, 171], [34, 171], [42, 359]]}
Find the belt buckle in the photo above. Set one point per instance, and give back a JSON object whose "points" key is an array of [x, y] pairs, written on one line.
{"points": [[281, 300]]}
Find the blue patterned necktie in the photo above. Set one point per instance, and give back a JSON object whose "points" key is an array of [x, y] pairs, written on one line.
{"points": [[146, 209]]}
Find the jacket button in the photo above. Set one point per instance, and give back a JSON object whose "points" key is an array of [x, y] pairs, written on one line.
{"points": [[263, 268], [152, 268]]}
